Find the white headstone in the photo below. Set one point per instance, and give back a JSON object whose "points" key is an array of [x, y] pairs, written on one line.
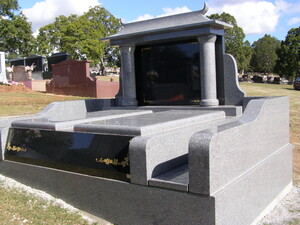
{"points": [[2, 68]]}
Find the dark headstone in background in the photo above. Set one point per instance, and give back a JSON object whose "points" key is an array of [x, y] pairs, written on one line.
{"points": [[57, 58]]}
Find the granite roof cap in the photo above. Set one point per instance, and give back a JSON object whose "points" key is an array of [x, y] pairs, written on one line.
{"points": [[168, 23]]}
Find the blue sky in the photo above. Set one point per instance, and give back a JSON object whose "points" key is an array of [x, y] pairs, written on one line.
{"points": [[256, 17]]}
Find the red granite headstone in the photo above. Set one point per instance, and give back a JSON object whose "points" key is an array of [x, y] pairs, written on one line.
{"points": [[72, 77], [20, 74]]}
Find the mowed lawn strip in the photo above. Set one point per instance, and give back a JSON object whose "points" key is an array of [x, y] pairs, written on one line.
{"points": [[19, 207], [24, 103]]}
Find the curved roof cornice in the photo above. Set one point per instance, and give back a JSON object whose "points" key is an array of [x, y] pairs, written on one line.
{"points": [[181, 21]]}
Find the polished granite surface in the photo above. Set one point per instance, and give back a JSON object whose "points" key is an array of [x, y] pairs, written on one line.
{"points": [[151, 123], [92, 154]]}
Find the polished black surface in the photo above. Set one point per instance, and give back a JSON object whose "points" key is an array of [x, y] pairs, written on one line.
{"points": [[168, 74], [92, 154], [57, 58]]}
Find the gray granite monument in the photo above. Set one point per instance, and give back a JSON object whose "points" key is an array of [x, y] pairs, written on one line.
{"points": [[180, 144]]}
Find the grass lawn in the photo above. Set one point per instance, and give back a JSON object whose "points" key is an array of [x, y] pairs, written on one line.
{"points": [[22, 103], [19, 207]]}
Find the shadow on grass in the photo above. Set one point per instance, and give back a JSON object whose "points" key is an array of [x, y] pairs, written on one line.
{"points": [[290, 89]]}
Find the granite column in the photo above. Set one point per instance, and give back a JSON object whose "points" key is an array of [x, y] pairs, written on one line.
{"points": [[208, 70], [127, 91]]}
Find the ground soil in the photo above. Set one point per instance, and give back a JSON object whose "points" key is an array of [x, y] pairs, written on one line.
{"points": [[14, 88]]}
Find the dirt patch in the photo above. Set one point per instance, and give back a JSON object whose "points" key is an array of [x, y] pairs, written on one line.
{"points": [[14, 88]]}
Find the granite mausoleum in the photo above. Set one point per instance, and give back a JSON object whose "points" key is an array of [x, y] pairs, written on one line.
{"points": [[180, 144]]}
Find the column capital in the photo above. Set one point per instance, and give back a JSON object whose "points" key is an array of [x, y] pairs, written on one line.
{"points": [[127, 49], [207, 38]]}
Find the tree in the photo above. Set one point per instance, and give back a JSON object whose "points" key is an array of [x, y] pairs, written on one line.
{"points": [[288, 62], [15, 32], [7, 7], [234, 41], [16, 36], [79, 36], [50, 37], [245, 57], [264, 54]]}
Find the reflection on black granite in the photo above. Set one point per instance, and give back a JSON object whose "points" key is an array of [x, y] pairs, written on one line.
{"points": [[168, 73], [92, 154]]}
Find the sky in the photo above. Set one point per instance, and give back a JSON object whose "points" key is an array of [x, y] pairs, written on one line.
{"points": [[256, 17]]}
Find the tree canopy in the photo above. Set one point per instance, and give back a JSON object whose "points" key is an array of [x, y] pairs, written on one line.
{"points": [[288, 62], [16, 36], [7, 7], [15, 32], [264, 54], [80, 35], [234, 41]]}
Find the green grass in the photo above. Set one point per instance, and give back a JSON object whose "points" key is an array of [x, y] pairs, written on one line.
{"points": [[19, 207], [256, 89], [294, 222], [28, 102]]}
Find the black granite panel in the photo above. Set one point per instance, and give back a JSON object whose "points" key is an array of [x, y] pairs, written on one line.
{"points": [[37, 60], [168, 73], [92, 154], [57, 58]]}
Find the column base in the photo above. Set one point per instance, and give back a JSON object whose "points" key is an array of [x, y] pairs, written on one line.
{"points": [[126, 101], [209, 102]]}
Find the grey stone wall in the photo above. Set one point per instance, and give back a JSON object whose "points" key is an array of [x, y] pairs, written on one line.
{"points": [[221, 154]]}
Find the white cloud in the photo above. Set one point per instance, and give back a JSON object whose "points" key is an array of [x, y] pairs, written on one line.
{"points": [[167, 12], [287, 8], [144, 17], [253, 16], [177, 10], [44, 12], [257, 16], [294, 20], [231, 2], [283, 6]]}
